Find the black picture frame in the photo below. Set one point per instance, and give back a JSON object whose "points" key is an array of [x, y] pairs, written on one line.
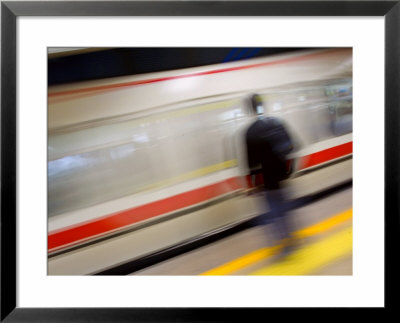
{"points": [[11, 10]]}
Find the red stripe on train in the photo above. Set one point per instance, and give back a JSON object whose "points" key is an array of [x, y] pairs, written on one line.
{"points": [[89, 230], [326, 155], [128, 217]]}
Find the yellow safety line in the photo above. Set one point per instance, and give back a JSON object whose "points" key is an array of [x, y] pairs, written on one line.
{"points": [[243, 261], [268, 252], [308, 259], [325, 225]]}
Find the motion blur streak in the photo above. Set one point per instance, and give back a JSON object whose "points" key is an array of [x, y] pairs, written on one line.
{"points": [[306, 260], [268, 252], [155, 80], [134, 215], [80, 233]]}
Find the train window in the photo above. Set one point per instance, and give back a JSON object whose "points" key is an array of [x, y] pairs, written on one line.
{"points": [[101, 163], [342, 116], [85, 179], [316, 111], [340, 107]]}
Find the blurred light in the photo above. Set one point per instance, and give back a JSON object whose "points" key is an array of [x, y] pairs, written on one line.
{"points": [[183, 84], [140, 138], [276, 106], [66, 163], [122, 152], [227, 115]]}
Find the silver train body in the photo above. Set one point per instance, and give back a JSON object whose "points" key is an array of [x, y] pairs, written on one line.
{"points": [[137, 164]]}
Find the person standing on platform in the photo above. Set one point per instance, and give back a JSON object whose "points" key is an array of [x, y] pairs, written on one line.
{"points": [[268, 144]]}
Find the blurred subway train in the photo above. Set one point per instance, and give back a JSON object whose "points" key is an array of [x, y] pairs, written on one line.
{"points": [[138, 164]]}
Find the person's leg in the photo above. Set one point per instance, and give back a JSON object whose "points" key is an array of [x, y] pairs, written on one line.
{"points": [[277, 206]]}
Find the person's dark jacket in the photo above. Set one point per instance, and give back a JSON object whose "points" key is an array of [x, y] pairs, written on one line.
{"points": [[260, 155]]}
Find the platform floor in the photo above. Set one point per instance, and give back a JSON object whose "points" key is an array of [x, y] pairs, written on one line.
{"points": [[324, 247]]}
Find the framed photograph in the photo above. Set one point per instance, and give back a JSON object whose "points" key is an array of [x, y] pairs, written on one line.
{"points": [[57, 261]]}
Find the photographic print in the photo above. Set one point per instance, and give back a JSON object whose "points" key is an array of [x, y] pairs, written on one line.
{"points": [[200, 161]]}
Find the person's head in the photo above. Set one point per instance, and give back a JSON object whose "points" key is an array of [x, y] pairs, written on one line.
{"points": [[257, 107]]}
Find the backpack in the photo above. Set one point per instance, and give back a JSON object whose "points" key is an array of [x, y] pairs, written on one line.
{"points": [[278, 137]]}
